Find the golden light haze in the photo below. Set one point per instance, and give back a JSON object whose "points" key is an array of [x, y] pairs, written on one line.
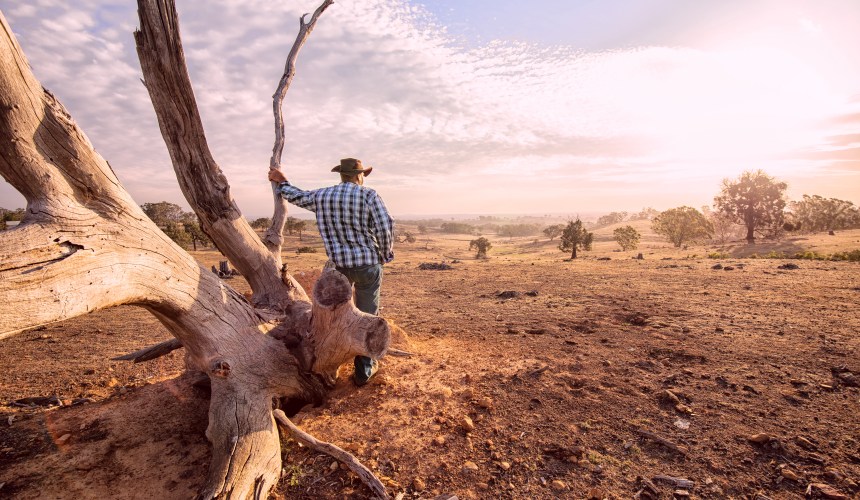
{"points": [[465, 108]]}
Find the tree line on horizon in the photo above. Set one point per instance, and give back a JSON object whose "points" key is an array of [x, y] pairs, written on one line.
{"points": [[755, 203]]}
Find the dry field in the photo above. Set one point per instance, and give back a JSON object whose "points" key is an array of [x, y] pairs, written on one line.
{"points": [[532, 377]]}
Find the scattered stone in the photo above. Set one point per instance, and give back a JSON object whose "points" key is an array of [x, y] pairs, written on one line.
{"points": [[790, 265], [717, 266], [640, 256], [790, 475], [533, 293], [805, 443], [508, 294], [418, 484], [558, 485], [505, 465], [604, 258], [470, 466], [681, 494], [760, 438], [333, 466], [536, 331], [63, 439], [826, 491], [439, 440], [467, 424], [596, 494], [728, 268], [445, 392], [486, 403]]}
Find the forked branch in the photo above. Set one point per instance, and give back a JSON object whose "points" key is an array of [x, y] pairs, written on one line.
{"points": [[162, 60], [274, 237]]}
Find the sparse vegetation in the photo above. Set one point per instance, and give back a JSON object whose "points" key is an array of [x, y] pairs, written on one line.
{"points": [[306, 250], [682, 225], [457, 228], [575, 236], [482, 245], [611, 218], [816, 213], [755, 200], [554, 231], [627, 237]]}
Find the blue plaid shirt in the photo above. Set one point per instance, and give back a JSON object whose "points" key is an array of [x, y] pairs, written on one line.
{"points": [[353, 222]]}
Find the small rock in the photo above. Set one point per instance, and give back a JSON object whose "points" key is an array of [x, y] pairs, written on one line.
{"points": [[505, 465], [790, 265], [470, 466], [596, 494], [418, 484], [63, 439], [790, 475], [558, 485], [486, 402], [728, 268], [681, 494], [445, 392], [467, 424], [827, 491], [333, 466], [717, 266], [760, 438], [439, 440], [113, 382]]}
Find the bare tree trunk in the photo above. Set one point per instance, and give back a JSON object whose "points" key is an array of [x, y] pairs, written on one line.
{"points": [[84, 245]]}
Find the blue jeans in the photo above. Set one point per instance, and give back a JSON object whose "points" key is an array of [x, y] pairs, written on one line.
{"points": [[368, 282]]}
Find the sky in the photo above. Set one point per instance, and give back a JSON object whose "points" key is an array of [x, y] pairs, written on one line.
{"points": [[478, 107]]}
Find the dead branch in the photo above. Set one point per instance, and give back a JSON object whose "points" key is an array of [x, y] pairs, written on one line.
{"points": [[152, 352], [162, 61], [339, 454], [661, 440], [274, 237]]}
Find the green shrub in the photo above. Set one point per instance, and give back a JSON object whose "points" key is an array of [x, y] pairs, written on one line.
{"points": [[852, 256], [306, 250], [719, 255]]}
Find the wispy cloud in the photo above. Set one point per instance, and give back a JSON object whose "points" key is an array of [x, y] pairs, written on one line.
{"points": [[439, 119]]}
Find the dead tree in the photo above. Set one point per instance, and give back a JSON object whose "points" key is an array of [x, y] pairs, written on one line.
{"points": [[85, 245]]}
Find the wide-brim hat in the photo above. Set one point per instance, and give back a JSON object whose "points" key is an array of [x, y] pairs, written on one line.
{"points": [[351, 166]]}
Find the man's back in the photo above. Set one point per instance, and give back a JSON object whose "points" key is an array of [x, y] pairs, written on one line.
{"points": [[354, 224]]}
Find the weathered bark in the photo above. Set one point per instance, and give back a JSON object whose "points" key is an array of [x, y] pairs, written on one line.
{"points": [[274, 237], [162, 60], [84, 245]]}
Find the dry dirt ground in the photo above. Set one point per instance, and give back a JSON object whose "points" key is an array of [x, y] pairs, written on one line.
{"points": [[532, 377]]}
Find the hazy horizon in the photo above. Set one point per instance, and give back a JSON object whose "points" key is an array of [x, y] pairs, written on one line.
{"points": [[479, 107]]}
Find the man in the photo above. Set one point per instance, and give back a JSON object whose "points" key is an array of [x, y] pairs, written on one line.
{"points": [[357, 233]]}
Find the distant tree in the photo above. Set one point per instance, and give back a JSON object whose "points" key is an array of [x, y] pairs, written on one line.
{"points": [[647, 213], [195, 233], [554, 231], [163, 213], [512, 230], [422, 228], [12, 215], [482, 245], [176, 232], [299, 226], [611, 218], [261, 223], [816, 213], [682, 225], [627, 237], [755, 200], [575, 236], [457, 228], [725, 228], [290, 225], [409, 237]]}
